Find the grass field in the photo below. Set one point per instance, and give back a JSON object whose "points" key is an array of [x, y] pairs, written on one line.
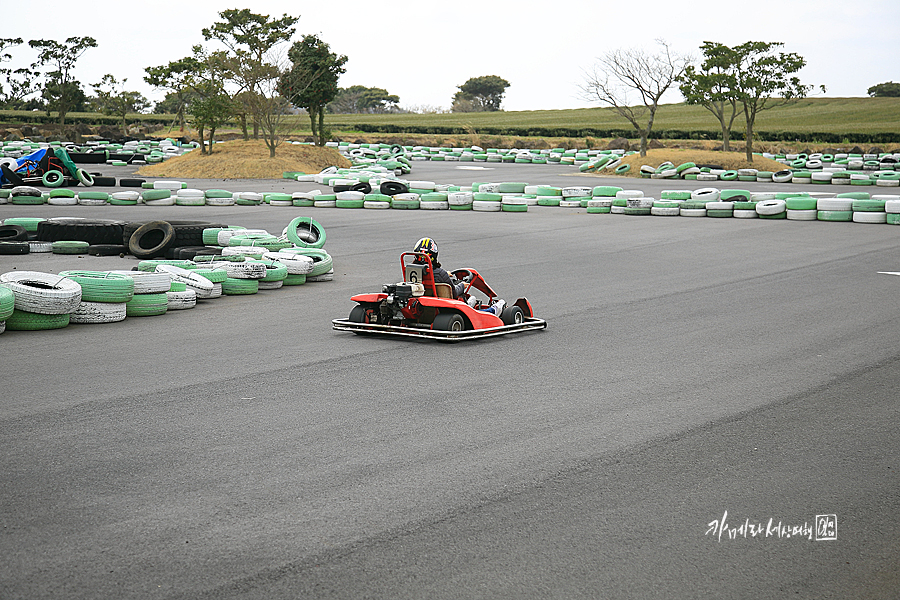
{"points": [[832, 115], [826, 120]]}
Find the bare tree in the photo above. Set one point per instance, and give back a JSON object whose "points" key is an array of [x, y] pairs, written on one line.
{"points": [[620, 73]]}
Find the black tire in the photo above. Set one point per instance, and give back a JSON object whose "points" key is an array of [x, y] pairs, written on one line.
{"points": [[11, 176], [343, 187], [151, 239], [14, 248], [391, 188], [88, 158], [107, 250], [362, 313], [187, 252], [129, 182], [104, 181], [13, 233], [362, 186], [187, 233], [512, 315], [449, 322], [92, 231]]}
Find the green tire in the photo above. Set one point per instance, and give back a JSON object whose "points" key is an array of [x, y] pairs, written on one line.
{"points": [[69, 247], [102, 286], [20, 320], [147, 305], [835, 215]]}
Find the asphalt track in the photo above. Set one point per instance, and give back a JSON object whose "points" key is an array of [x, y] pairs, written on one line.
{"points": [[691, 367]]}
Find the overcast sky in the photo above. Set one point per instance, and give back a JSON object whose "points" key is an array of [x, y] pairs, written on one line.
{"points": [[422, 50]]}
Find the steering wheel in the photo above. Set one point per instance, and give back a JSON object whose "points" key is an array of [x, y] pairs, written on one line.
{"points": [[463, 275]]}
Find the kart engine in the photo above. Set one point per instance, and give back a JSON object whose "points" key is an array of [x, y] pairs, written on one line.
{"points": [[398, 299]]}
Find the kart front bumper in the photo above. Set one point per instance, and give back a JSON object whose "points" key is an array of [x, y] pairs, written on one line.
{"points": [[529, 324]]}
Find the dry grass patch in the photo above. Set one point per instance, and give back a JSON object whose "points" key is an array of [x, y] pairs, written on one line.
{"points": [[246, 160], [725, 160]]}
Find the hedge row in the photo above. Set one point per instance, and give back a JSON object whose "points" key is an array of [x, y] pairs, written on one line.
{"points": [[24, 117], [670, 134]]}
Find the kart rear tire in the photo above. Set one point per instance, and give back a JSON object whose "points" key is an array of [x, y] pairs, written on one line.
{"points": [[449, 322], [512, 315]]}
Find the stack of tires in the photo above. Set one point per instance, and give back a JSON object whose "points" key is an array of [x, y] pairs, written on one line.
{"points": [[104, 296], [40, 300]]}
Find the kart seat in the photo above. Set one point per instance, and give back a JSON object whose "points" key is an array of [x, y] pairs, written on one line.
{"points": [[443, 290]]}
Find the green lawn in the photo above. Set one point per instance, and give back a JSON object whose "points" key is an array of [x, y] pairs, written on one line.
{"points": [[812, 115], [857, 120]]}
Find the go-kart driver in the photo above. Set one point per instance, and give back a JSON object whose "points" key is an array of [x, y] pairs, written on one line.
{"points": [[429, 246]]}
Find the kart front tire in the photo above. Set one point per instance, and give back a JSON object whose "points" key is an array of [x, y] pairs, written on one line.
{"points": [[362, 314], [512, 315], [449, 322]]}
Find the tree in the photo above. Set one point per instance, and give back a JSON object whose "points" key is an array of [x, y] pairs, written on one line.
{"points": [[889, 89], [711, 86], [764, 79], [361, 99], [61, 90], [311, 82], [274, 113], [479, 94], [113, 99], [251, 41], [210, 110], [182, 78], [634, 70], [18, 82]]}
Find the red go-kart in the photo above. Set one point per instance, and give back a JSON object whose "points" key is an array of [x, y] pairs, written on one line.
{"points": [[419, 307]]}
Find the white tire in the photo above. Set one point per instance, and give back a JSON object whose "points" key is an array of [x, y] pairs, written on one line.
{"points": [[841, 204], [170, 201], [245, 270], [745, 214], [770, 207], [570, 203], [692, 212], [577, 191], [130, 195], [296, 264], [485, 206], [182, 300], [869, 217], [802, 215], [459, 198], [220, 202], [167, 185], [892, 206], [720, 206], [625, 194], [146, 282], [708, 194], [350, 195], [62, 201], [98, 312], [662, 211], [42, 293], [434, 205], [707, 177], [193, 281], [600, 202], [377, 204]]}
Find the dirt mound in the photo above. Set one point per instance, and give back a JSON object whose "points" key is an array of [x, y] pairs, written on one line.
{"points": [[247, 160]]}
